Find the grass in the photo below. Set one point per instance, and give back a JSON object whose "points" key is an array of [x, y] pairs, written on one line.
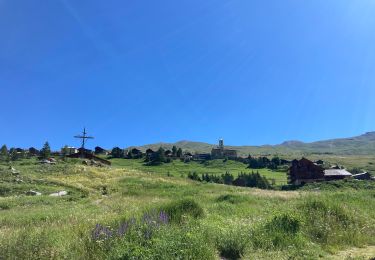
{"points": [[205, 220], [178, 168]]}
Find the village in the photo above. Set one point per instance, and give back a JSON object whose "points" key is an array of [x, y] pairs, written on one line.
{"points": [[299, 171]]}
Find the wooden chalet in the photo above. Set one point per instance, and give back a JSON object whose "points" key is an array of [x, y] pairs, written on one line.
{"points": [[305, 171]]}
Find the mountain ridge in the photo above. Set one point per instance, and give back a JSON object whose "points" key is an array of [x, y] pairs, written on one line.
{"points": [[358, 145]]}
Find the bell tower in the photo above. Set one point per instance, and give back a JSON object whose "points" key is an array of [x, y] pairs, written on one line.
{"points": [[221, 144]]}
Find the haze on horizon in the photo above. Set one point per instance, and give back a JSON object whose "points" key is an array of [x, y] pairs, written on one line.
{"points": [[134, 73]]}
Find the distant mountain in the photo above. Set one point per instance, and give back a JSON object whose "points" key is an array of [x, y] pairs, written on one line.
{"points": [[359, 145], [363, 144]]}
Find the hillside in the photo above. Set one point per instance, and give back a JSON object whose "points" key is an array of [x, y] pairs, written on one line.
{"points": [[133, 211], [359, 145]]}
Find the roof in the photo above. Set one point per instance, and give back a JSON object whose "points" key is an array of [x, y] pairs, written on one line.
{"points": [[336, 172], [361, 174]]}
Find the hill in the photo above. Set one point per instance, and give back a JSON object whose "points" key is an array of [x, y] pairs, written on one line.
{"points": [[359, 145], [133, 211]]}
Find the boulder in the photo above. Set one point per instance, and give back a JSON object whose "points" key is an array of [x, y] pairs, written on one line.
{"points": [[59, 194], [33, 193]]}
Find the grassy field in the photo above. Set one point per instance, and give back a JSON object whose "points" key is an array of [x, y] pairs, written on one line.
{"points": [[178, 168], [116, 213]]}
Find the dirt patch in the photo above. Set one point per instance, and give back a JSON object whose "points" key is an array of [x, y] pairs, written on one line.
{"points": [[367, 252]]}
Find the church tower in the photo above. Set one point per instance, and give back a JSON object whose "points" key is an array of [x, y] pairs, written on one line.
{"points": [[221, 144]]}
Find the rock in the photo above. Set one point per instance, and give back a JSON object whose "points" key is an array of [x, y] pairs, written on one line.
{"points": [[59, 194], [33, 193], [13, 170]]}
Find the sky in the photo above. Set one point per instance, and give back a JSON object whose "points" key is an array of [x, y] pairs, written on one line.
{"points": [[139, 72]]}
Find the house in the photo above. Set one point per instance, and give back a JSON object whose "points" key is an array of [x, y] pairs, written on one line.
{"points": [[362, 176], [187, 156], [136, 153], [319, 162], [336, 174], [304, 171], [168, 153], [84, 150], [149, 151], [69, 150], [202, 157], [220, 152], [100, 150]]}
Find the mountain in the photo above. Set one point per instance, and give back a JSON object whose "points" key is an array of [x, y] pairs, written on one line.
{"points": [[359, 145]]}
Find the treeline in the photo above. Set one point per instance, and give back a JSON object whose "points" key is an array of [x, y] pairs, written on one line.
{"points": [[254, 180], [263, 162], [14, 154]]}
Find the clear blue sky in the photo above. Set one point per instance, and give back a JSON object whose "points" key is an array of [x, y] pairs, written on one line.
{"points": [[137, 72]]}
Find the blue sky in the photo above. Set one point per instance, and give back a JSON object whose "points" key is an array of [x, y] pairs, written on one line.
{"points": [[137, 72]]}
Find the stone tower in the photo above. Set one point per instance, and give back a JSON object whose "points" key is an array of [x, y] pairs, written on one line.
{"points": [[221, 144]]}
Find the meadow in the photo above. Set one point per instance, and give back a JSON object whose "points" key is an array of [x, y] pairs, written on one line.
{"points": [[133, 211]]}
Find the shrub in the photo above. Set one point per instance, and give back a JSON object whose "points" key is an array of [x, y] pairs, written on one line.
{"points": [[233, 199], [187, 207], [232, 244], [329, 224], [284, 223], [281, 231]]}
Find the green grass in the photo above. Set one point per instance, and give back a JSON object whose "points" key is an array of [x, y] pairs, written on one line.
{"points": [[206, 220], [178, 168]]}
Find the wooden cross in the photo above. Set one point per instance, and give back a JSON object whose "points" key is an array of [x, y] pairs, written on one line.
{"points": [[83, 137]]}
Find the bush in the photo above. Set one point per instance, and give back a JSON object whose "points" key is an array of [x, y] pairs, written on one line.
{"points": [[282, 231], [187, 207], [284, 223], [232, 243], [329, 224], [233, 199]]}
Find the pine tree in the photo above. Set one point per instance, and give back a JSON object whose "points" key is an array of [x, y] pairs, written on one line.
{"points": [[159, 156], [13, 154], [45, 153], [174, 151], [4, 153], [179, 152], [64, 152]]}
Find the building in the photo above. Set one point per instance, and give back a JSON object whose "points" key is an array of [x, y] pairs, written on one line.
{"points": [[220, 152], [336, 174], [305, 171], [69, 150], [202, 156], [136, 153], [100, 150], [363, 176]]}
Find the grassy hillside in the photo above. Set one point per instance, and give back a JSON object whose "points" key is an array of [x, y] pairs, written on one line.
{"points": [[217, 167], [131, 211], [360, 145]]}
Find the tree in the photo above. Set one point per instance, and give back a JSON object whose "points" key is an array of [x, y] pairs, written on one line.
{"points": [[174, 151], [64, 152], [13, 154], [45, 153], [179, 152], [159, 157], [4, 153], [117, 152]]}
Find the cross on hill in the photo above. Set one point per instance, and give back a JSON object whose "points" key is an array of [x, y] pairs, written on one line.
{"points": [[83, 137]]}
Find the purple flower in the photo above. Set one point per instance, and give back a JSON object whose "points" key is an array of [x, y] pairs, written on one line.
{"points": [[163, 217], [123, 228], [101, 232]]}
